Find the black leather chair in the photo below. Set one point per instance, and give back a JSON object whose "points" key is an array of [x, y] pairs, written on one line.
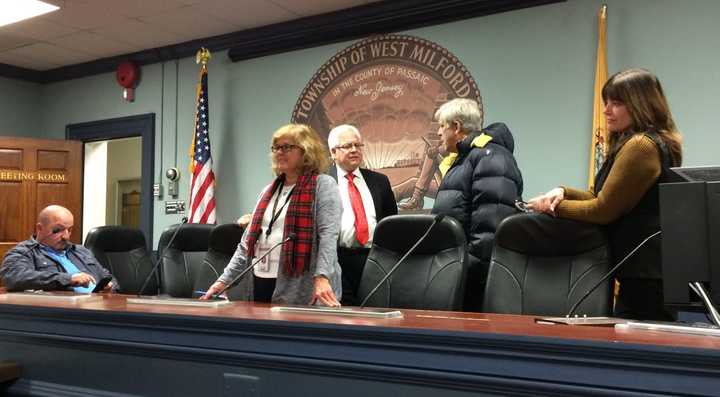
{"points": [[543, 265], [432, 277], [223, 242], [182, 261], [123, 252]]}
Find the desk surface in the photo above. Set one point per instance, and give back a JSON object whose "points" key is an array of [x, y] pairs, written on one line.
{"points": [[412, 319], [171, 350]]}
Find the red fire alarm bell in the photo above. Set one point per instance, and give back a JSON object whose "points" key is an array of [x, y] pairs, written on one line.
{"points": [[127, 76]]}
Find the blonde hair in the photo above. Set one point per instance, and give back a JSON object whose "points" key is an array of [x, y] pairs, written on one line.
{"points": [[315, 157], [641, 93]]}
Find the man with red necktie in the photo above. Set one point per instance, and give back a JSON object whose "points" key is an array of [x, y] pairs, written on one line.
{"points": [[366, 198]]}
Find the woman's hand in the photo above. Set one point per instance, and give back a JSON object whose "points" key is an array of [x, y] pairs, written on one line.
{"points": [[547, 202], [323, 291], [214, 289]]}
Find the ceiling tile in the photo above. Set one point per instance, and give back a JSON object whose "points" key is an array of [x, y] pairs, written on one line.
{"points": [[85, 30], [249, 13], [82, 15], [93, 43], [37, 28], [23, 62], [139, 8], [52, 54], [190, 23], [307, 8], [10, 41], [140, 34]]}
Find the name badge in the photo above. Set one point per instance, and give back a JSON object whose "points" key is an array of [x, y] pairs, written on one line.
{"points": [[263, 265]]}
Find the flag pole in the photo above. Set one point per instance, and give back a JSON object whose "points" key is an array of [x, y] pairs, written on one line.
{"points": [[202, 186], [598, 146], [202, 57]]}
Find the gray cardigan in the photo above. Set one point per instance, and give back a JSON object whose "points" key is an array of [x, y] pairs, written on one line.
{"points": [[327, 211]]}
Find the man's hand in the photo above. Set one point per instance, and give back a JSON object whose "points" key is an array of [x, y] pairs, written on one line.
{"points": [[82, 279], [323, 291], [244, 220]]}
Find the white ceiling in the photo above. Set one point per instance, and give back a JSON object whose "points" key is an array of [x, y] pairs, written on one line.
{"points": [[86, 30]]}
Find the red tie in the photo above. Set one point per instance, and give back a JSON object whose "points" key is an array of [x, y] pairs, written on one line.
{"points": [[361, 225]]}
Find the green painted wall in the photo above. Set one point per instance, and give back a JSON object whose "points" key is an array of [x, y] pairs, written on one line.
{"points": [[534, 69], [19, 111]]}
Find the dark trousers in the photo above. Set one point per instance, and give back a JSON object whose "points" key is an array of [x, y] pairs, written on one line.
{"points": [[475, 282], [352, 263], [263, 289], [641, 299]]}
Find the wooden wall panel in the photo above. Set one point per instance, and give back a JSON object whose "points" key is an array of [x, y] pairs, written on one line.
{"points": [[50, 193], [33, 174], [10, 224], [52, 160], [11, 159]]}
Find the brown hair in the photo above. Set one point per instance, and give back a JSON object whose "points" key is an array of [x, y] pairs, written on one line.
{"points": [[315, 156], [641, 93]]}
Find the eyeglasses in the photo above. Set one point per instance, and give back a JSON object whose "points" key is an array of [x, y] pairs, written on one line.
{"points": [[350, 146], [284, 148]]}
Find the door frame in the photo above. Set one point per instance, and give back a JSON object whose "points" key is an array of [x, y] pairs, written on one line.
{"points": [[142, 125]]}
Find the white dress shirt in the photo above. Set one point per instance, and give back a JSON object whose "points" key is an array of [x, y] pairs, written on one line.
{"points": [[268, 267], [347, 225]]}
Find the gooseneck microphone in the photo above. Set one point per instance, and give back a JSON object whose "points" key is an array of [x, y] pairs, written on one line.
{"points": [[609, 274], [438, 219], [291, 236], [161, 259]]}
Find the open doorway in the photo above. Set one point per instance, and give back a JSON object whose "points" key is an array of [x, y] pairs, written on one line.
{"points": [[118, 172], [112, 189]]}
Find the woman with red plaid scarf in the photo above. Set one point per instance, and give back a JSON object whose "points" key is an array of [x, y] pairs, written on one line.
{"points": [[299, 212]]}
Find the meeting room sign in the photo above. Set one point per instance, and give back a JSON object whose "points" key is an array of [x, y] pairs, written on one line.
{"points": [[39, 176]]}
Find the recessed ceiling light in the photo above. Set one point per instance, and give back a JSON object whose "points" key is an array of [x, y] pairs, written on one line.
{"points": [[18, 10]]}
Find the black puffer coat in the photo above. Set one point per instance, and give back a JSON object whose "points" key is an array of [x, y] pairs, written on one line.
{"points": [[481, 187]]}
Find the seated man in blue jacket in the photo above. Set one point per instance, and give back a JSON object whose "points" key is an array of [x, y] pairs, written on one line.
{"points": [[49, 261], [481, 186]]}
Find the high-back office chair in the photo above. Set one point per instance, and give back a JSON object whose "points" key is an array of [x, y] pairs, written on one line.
{"points": [[432, 277], [222, 244], [182, 259], [542, 265], [123, 252]]}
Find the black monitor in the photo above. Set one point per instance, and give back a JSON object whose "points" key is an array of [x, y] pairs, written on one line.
{"points": [[690, 223]]}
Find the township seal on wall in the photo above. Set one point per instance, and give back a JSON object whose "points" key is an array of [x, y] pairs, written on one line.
{"points": [[389, 87]]}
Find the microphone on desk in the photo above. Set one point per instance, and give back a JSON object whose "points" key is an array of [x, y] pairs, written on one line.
{"points": [[161, 258], [608, 274], [438, 218], [291, 236]]}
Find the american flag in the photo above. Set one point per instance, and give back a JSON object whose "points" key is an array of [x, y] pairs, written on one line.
{"points": [[202, 186]]}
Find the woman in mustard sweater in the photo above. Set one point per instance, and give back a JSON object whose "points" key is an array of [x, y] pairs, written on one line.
{"points": [[643, 143]]}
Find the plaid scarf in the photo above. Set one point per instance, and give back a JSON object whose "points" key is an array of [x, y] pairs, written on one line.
{"points": [[295, 254]]}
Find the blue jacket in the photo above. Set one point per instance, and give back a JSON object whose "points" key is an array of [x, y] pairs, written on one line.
{"points": [[26, 266], [481, 186]]}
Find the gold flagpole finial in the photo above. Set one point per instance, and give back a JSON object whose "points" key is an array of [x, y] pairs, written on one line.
{"points": [[202, 56], [603, 11]]}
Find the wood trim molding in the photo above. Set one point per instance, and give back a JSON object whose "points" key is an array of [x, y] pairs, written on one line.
{"points": [[333, 27], [122, 127]]}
